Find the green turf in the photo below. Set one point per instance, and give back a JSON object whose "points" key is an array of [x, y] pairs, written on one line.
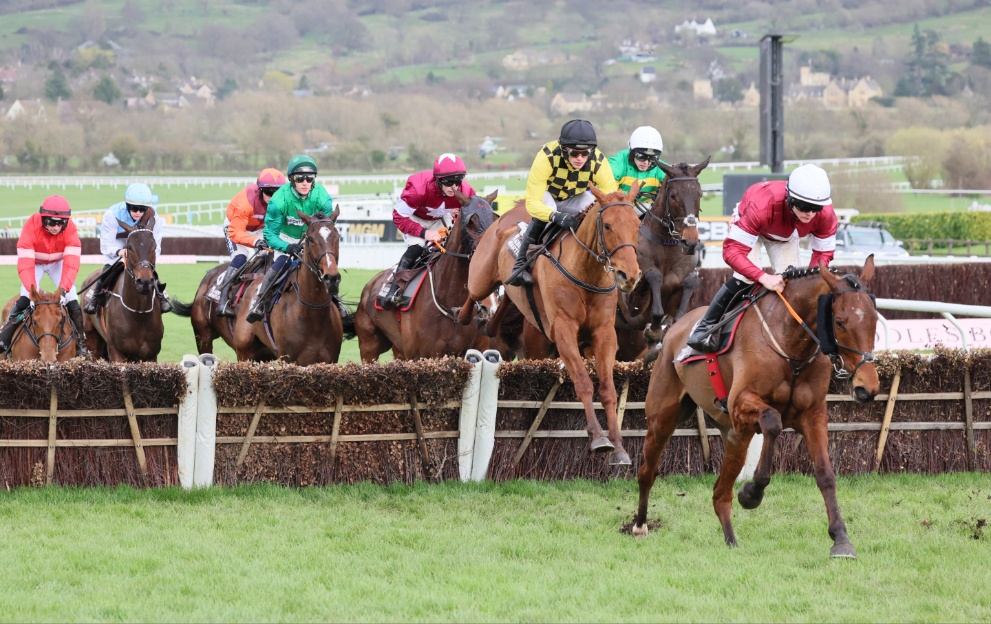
{"points": [[496, 552]]}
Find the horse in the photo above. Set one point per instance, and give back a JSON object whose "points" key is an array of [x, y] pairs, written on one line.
{"points": [[129, 328], [667, 252], [777, 372], [207, 325], [304, 325], [429, 328], [46, 331], [574, 295]]}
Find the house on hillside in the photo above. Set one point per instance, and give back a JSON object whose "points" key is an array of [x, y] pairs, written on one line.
{"points": [[700, 29], [702, 89], [8, 74], [30, 110], [751, 96], [648, 74], [568, 103], [517, 61], [809, 78]]}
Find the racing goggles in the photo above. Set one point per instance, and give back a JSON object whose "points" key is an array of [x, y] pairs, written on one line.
{"points": [[644, 157], [577, 153], [137, 208], [454, 180], [53, 222], [267, 192], [299, 178], [805, 207]]}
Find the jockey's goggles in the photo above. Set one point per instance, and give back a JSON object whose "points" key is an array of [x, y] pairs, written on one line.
{"points": [[805, 207], [267, 192], [53, 222], [644, 157], [454, 180], [303, 177], [577, 153], [137, 208]]}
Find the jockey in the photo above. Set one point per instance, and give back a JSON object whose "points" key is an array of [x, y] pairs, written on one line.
{"points": [[427, 205], [773, 215], [49, 244], [639, 162], [243, 227], [284, 229], [137, 209], [557, 186]]}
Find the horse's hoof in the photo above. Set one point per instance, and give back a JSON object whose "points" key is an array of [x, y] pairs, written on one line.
{"points": [[843, 551], [602, 445], [640, 532], [619, 458], [748, 498]]}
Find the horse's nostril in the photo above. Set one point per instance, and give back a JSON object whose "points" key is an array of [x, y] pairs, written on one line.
{"points": [[862, 395]]}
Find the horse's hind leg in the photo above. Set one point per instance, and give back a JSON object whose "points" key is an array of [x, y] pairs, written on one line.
{"points": [[662, 418], [748, 406], [813, 426]]}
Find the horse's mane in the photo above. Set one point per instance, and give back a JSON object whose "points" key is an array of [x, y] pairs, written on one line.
{"points": [[794, 273]]}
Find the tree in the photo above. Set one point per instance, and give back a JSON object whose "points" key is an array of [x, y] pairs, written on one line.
{"points": [[229, 86], [728, 90], [106, 90], [981, 54], [125, 147], [57, 87]]}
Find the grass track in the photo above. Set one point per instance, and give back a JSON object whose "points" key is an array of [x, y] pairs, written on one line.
{"points": [[495, 552]]}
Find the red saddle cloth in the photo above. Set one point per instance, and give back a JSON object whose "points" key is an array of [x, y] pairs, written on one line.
{"points": [[712, 359], [409, 291]]}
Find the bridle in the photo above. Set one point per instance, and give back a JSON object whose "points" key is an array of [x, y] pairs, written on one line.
{"points": [[61, 340], [603, 256], [313, 264], [839, 367], [667, 221], [134, 278]]}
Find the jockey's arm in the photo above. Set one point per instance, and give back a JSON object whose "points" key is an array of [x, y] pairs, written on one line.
{"points": [[109, 243], [71, 257], [156, 232], [823, 241], [273, 225], [237, 229], [536, 186]]}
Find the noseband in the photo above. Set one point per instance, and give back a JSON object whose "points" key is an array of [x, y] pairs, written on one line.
{"points": [[837, 360]]}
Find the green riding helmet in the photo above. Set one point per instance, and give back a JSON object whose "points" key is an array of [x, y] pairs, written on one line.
{"points": [[301, 164]]}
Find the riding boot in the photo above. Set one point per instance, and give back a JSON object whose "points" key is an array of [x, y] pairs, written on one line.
{"points": [[96, 297], [163, 297], [16, 315], [520, 276], [76, 316], [705, 338], [257, 309], [347, 317], [395, 298], [224, 303]]}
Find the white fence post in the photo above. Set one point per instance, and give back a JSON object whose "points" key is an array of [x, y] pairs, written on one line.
{"points": [[469, 415], [186, 452], [206, 424], [488, 398]]}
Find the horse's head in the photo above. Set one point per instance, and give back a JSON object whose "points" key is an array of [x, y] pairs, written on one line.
{"points": [[140, 255], [475, 216], [45, 325], [678, 203], [321, 248], [612, 234], [846, 323]]}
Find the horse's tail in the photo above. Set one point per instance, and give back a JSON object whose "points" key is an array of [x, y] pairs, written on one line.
{"points": [[687, 408], [180, 308]]}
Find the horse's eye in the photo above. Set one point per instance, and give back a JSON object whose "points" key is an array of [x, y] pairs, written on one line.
{"points": [[607, 227], [839, 324]]}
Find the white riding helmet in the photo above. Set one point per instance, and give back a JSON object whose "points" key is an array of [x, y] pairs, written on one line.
{"points": [[810, 184], [646, 139]]}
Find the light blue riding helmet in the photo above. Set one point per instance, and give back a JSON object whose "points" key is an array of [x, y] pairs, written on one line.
{"points": [[139, 193]]}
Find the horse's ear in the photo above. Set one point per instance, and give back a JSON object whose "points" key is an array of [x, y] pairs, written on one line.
{"points": [[832, 280], [60, 293], [491, 197], [634, 190], [461, 197], [867, 275], [305, 217], [596, 193], [335, 214], [668, 169], [34, 293], [127, 228], [697, 169], [151, 224]]}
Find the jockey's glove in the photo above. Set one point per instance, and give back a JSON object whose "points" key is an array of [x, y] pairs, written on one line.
{"points": [[294, 249], [261, 244], [564, 220]]}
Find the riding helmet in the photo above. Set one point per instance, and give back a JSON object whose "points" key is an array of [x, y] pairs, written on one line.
{"points": [[139, 193], [270, 178], [646, 140], [810, 184], [448, 165], [579, 134], [301, 164], [56, 206]]}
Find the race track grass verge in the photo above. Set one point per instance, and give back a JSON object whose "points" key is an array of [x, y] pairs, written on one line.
{"points": [[515, 551]]}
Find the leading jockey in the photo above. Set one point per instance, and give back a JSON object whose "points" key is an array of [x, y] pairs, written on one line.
{"points": [[243, 227], [557, 186], [137, 210], [48, 244], [425, 207], [639, 163], [773, 215]]}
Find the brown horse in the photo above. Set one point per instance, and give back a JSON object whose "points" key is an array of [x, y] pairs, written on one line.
{"points": [[46, 332], [667, 252], [129, 328], [207, 325], [777, 376], [574, 294], [429, 328], [304, 325]]}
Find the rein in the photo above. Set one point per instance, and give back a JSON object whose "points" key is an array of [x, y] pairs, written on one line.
{"points": [[604, 258]]}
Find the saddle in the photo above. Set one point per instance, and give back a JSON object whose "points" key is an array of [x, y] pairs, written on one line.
{"points": [[726, 327], [255, 267], [409, 281]]}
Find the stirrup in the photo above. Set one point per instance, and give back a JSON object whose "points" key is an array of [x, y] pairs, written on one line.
{"points": [[520, 277]]}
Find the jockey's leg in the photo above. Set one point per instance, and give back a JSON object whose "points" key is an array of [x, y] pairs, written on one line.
{"points": [[520, 276], [257, 308], [224, 303], [97, 296], [7, 331], [703, 338], [163, 297], [76, 316], [395, 297]]}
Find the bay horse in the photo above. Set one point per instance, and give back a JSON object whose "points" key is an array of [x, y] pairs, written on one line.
{"points": [[667, 252], [777, 374], [429, 328], [202, 312], [573, 298], [304, 325], [129, 328], [46, 331]]}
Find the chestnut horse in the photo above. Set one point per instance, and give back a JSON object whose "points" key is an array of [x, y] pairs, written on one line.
{"points": [[129, 328], [429, 328], [667, 252], [304, 325], [777, 375], [46, 332], [202, 312], [574, 291]]}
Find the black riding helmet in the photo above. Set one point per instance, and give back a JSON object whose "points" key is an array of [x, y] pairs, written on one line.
{"points": [[579, 134]]}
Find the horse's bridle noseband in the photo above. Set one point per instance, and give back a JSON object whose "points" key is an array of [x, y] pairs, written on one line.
{"points": [[835, 358]]}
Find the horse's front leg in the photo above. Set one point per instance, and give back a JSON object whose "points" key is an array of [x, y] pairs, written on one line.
{"points": [[736, 444], [565, 334], [604, 346], [689, 287], [749, 407], [654, 332], [812, 425]]}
